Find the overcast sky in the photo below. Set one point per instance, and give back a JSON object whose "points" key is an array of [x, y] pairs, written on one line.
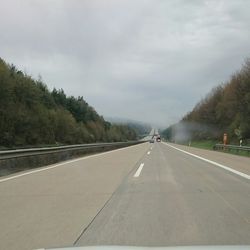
{"points": [[147, 60]]}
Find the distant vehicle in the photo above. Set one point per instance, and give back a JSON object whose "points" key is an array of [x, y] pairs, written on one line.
{"points": [[152, 141], [158, 138]]}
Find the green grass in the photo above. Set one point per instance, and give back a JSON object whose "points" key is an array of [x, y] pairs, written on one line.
{"points": [[208, 144], [236, 152]]}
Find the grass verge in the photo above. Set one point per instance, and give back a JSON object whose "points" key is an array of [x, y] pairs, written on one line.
{"points": [[209, 144]]}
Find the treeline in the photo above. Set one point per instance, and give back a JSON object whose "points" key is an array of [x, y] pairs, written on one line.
{"points": [[142, 129], [226, 109], [31, 114]]}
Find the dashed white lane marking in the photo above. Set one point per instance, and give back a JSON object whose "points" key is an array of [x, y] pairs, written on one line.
{"points": [[213, 162], [138, 172], [148, 153], [61, 164]]}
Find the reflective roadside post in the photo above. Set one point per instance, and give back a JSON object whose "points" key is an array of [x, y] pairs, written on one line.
{"points": [[238, 133]]}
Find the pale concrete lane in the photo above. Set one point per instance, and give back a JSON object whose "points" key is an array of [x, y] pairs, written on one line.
{"points": [[51, 208], [234, 161], [176, 200]]}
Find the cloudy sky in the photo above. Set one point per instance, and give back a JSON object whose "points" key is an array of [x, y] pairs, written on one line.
{"points": [[147, 60]]}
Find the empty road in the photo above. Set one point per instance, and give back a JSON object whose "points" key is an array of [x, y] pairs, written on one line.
{"points": [[145, 195]]}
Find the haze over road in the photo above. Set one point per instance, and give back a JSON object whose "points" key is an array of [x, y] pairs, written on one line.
{"points": [[145, 195]]}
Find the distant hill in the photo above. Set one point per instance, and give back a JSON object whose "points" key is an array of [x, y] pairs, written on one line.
{"points": [[225, 109], [30, 114], [141, 128]]}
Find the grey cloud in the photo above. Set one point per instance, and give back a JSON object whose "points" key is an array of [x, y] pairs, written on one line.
{"points": [[149, 60]]}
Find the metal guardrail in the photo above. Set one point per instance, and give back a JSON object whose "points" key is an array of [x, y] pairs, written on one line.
{"points": [[231, 147], [7, 154]]}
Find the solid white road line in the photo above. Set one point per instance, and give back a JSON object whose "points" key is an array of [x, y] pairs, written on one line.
{"points": [[138, 172], [212, 162], [61, 164]]}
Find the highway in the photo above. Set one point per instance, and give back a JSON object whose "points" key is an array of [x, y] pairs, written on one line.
{"points": [[150, 135], [145, 195]]}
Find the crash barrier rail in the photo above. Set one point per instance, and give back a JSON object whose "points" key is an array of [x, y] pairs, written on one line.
{"points": [[6, 154], [23, 159], [231, 147]]}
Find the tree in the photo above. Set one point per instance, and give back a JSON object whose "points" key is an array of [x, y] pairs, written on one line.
{"points": [[32, 115]]}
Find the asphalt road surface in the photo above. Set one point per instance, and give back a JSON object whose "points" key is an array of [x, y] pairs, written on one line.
{"points": [[144, 195]]}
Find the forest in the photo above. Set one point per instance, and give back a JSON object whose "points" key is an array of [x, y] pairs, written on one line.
{"points": [[31, 114], [226, 109]]}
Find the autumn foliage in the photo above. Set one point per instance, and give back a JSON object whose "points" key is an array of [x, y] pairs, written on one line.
{"points": [[226, 109]]}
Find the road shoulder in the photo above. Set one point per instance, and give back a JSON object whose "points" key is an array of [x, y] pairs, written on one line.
{"points": [[238, 163]]}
